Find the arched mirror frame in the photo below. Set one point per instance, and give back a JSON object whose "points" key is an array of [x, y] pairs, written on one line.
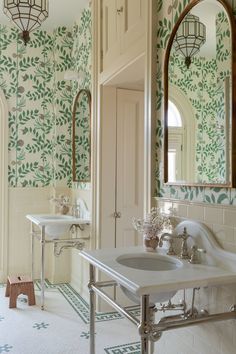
{"points": [[88, 94], [232, 182]]}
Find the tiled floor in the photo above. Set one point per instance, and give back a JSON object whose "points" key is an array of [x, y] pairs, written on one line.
{"points": [[63, 328]]}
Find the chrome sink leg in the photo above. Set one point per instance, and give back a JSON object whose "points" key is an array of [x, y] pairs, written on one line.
{"points": [[92, 308], [144, 327], [32, 250], [152, 311], [42, 266]]}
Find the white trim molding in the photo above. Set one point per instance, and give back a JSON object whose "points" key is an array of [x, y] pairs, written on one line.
{"points": [[150, 105], [3, 187], [96, 139]]}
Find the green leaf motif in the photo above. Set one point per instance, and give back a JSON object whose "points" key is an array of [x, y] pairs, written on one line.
{"points": [[40, 100]]}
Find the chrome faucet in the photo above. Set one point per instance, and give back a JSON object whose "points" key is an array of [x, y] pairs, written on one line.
{"points": [[184, 247], [194, 256], [75, 211], [170, 238]]}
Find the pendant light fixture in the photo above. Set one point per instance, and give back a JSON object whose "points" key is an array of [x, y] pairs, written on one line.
{"points": [[189, 38], [27, 15]]}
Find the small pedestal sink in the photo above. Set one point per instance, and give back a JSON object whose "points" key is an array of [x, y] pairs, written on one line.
{"points": [[149, 262], [156, 277], [56, 225], [52, 227]]}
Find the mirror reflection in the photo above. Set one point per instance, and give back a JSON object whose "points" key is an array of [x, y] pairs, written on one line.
{"points": [[198, 121], [81, 137]]}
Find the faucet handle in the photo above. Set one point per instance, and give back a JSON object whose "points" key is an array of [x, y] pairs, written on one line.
{"points": [[194, 257], [171, 251], [75, 210], [184, 234], [184, 247]]}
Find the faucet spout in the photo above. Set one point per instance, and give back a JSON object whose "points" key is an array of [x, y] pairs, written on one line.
{"points": [[166, 236]]}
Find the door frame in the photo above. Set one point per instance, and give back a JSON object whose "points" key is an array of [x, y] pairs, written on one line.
{"points": [[98, 80], [3, 187]]}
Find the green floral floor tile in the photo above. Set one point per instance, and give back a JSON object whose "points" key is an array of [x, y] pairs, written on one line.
{"points": [[82, 307]]}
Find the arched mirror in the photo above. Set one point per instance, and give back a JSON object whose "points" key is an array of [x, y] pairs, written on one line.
{"points": [[81, 137], [200, 97]]}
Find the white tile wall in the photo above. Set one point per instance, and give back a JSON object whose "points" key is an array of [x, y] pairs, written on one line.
{"points": [[79, 267], [195, 211], [214, 338], [23, 201]]}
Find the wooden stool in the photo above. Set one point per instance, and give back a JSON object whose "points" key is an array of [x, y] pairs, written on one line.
{"points": [[19, 285]]}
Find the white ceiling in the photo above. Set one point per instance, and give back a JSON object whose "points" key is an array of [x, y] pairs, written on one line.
{"points": [[61, 12]]}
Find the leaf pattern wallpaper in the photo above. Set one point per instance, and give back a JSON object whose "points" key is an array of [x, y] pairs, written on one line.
{"points": [[82, 138], [40, 101], [168, 13]]}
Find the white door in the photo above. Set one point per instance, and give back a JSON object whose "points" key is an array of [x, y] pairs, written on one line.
{"points": [[110, 31], [123, 25], [130, 170], [132, 23], [122, 145], [130, 165]]}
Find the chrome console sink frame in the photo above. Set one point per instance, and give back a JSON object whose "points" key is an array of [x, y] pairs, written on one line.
{"points": [[218, 268], [50, 228]]}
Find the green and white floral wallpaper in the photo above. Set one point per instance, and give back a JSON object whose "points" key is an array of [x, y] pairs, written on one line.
{"points": [[40, 101], [82, 171], [82, 50], [168, 13]]}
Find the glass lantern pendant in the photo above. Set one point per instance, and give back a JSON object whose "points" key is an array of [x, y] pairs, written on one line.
{"points": [[27, 15], [189, 38]]}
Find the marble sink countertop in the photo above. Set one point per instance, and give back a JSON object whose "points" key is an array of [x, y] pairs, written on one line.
{"points": [[141, 282]]}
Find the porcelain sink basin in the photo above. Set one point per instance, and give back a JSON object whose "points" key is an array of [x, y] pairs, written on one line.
{"points": [[56, 217], [55, 224], [148, 262], [55, 229]]}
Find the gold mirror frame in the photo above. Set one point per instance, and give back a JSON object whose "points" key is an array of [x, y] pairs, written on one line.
{"points": [[88, 94], [232, 182]]}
